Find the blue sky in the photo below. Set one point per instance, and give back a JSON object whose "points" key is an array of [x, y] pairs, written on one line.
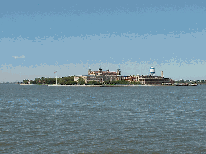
{"points": [[39, 37]]}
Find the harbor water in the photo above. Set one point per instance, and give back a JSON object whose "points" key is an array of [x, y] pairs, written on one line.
{"points": [[141, 119]]}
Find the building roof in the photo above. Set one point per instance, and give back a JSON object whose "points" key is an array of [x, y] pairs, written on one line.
{"points": [[104, 72]]}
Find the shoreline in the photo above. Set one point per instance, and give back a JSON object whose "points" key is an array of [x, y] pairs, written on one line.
{"points": [[101, 85], [54, 85]]}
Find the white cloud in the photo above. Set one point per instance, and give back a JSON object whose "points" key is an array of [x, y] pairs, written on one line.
{"points": [[19, 56]]}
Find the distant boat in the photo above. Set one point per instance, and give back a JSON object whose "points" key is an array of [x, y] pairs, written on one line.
{"points": [[182, 84], [186, 84], [193, 84]]}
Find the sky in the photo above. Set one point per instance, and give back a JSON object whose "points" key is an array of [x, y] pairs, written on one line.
{"points": [[39, 37]]}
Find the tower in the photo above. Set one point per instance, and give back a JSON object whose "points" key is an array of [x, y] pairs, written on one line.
{"points": [[152, 70], [162, 74], [100, 71], [89, 71], [118, 72]]}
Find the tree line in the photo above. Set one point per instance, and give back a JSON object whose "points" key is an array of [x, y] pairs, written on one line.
{"points": [[63, 81], [70, 81]]}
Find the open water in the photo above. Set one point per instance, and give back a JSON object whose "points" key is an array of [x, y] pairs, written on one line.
{"points": [[153, 119]]}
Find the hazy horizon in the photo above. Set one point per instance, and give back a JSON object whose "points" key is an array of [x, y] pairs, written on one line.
{"points": [[40, 37]]}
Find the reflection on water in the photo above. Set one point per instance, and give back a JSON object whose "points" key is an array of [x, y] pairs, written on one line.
{"points": [[161, 119]]}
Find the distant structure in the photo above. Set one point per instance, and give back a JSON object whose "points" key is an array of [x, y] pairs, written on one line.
{"points": [[150, 79], [118, 72], [56, 76], [107, 72], [100, 76], [108, 76], [162, 74], [152, 70], [105, 76]]}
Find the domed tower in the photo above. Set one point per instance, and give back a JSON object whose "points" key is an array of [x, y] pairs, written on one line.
{"points": [[100, 71], [118, 72], [89, 71]]}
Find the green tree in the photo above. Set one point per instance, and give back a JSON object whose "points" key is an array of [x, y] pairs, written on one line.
{"points": [[25, 81], [37, 80], [50, 80], [32, 82], [94, 83], [67, 81], [42, 80], [135, 82], [81, 81], [120, 82]]}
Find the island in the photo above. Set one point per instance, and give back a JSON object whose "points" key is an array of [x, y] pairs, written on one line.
{"points": [[108, 78]]}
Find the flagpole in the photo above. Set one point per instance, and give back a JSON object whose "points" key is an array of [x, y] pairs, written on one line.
{"points": [[56, 76]]}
